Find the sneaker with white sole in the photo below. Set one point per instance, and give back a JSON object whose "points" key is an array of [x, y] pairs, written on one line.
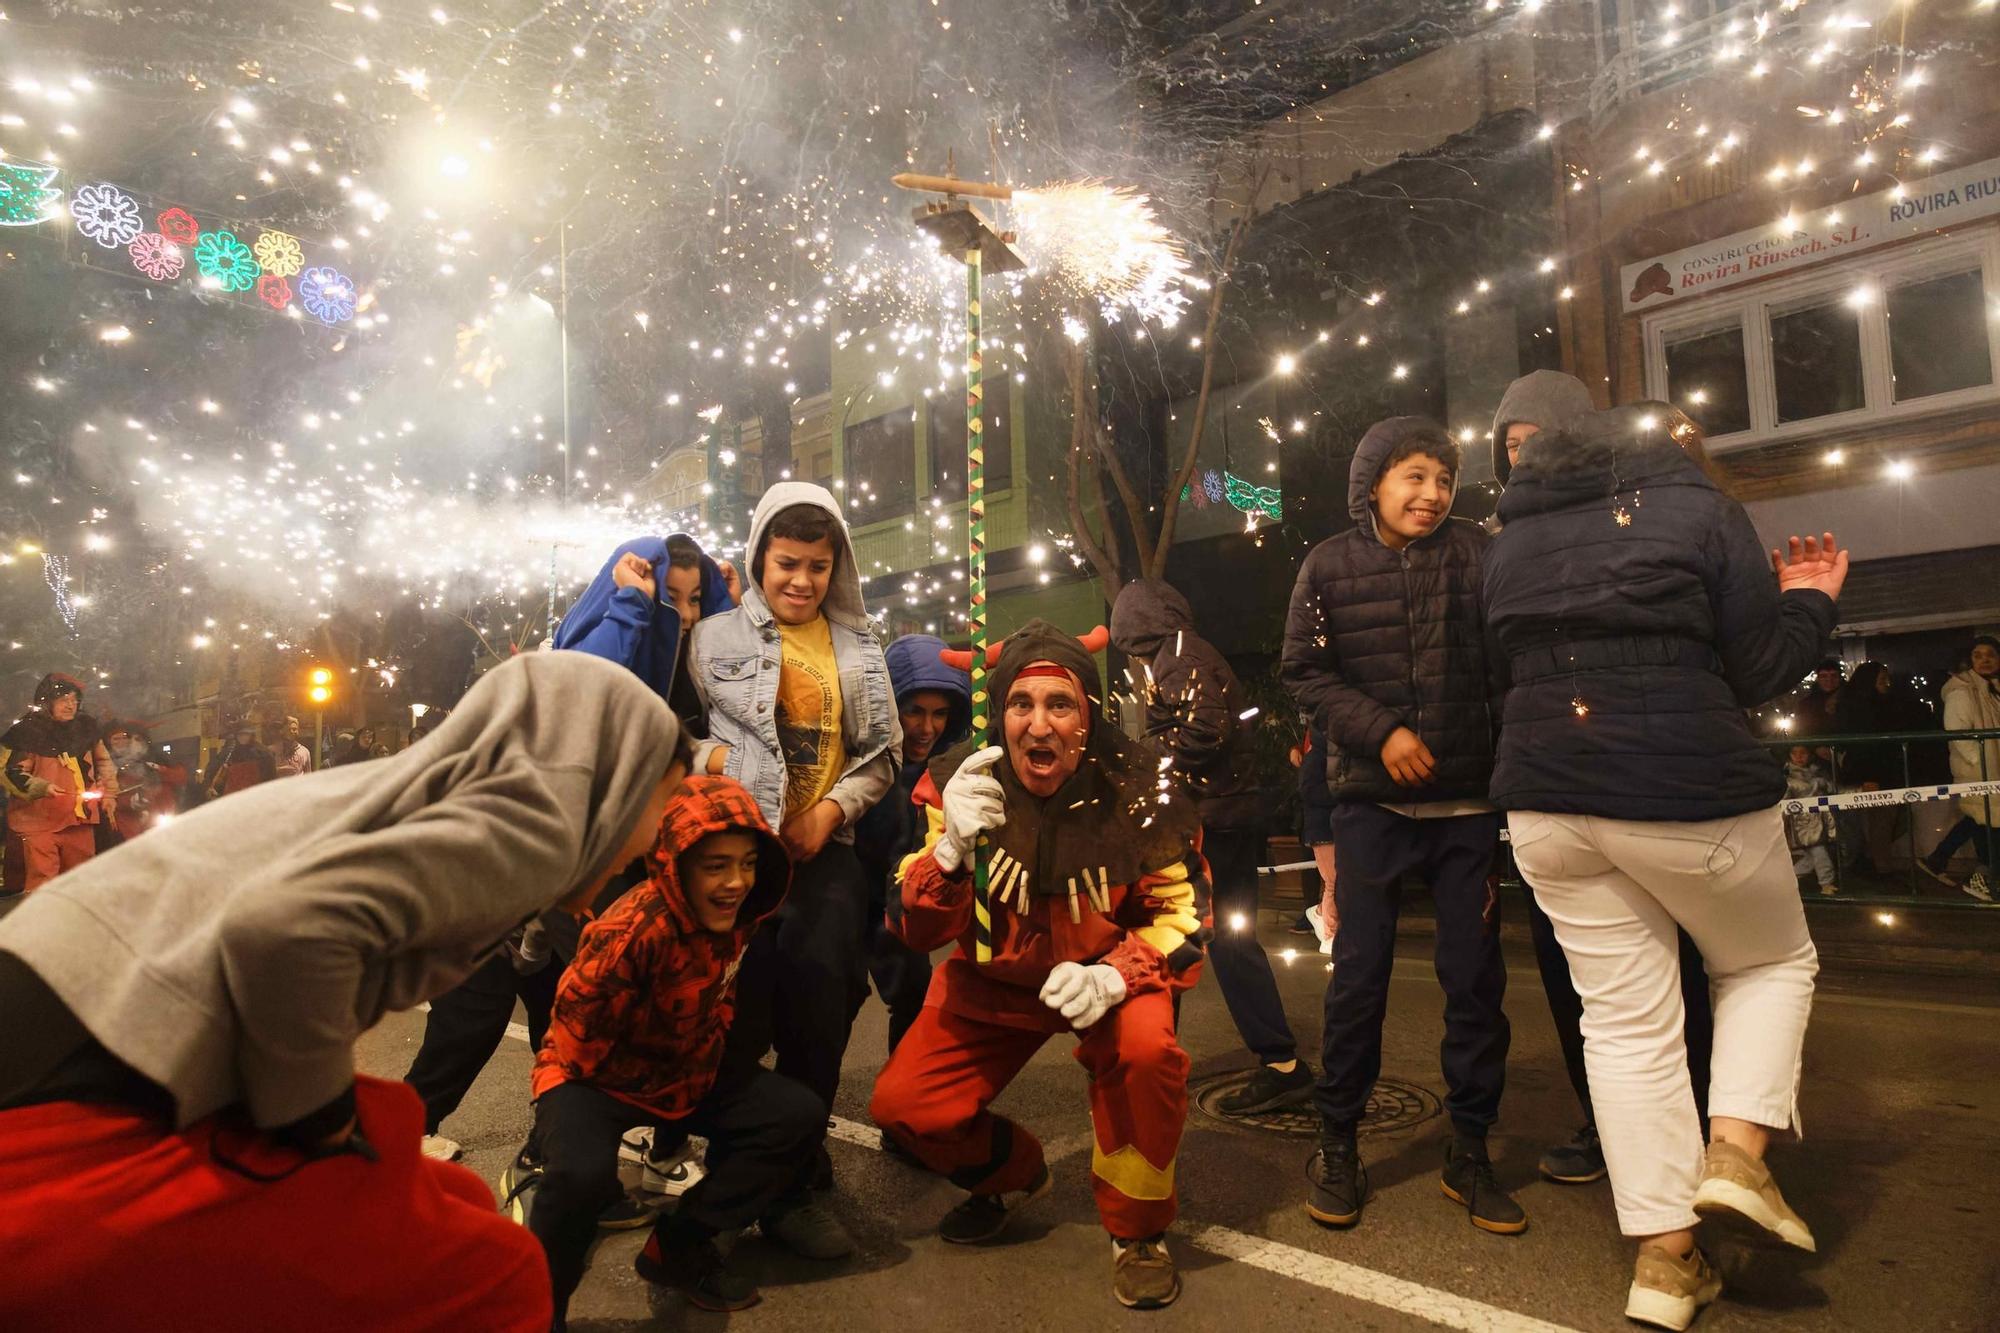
{"points": [[517, 1188], [1667, 1290], [636, 1144], [1978, 886], [441, 1149], [674, 1174], [1736, 1188]]}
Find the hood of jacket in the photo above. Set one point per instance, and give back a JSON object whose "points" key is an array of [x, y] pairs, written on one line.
{"points": [[844, 603], [914, 665], [706, 805], [660, 648], [235, 954], [1548, 398], [1618, 452], [1370, 455], [1146, 613]]}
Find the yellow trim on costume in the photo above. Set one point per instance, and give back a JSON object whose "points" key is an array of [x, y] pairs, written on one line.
{"points": [[1170, 894], [1128, 1172], [18, 793], [933, 835]]}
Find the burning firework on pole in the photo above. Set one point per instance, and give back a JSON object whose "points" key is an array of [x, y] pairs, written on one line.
{"points": [[962, 231]]}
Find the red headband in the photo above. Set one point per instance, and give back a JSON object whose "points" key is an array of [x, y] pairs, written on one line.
{"points": [[1049, 669]]}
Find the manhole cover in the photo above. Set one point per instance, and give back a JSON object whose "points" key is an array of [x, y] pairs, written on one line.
{"points": [[1392, 1106]]}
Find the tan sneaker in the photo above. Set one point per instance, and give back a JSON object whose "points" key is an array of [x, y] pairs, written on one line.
{"points": [[1668, 1291], [1143, 1276], [1737, 1187]]}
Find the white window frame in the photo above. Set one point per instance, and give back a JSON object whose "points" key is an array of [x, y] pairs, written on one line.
{"points": [[1751, 308]]}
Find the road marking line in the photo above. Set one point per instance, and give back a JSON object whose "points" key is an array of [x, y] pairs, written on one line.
{"points": [[1342, 1279], [1364, 1284]]}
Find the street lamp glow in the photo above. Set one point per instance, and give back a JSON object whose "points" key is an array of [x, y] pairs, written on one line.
{"points": [[1287, 364], [1900, 469]]}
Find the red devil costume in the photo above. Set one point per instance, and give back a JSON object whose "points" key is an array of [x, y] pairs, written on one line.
{"points": [[1107, 870]]}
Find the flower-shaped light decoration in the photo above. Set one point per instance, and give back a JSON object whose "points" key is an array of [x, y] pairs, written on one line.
{"points": [[1211, 481], [179, 226], [219, 255], [327, 294], [157, 257], [273, 290], [106, 215], [279, 253]]}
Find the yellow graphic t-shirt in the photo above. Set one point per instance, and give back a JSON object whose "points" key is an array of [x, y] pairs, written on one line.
{"points": [[809, 714]]}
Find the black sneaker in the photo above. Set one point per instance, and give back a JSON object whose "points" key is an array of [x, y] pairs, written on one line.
{"points": [[808, 1229], [1468, 1179], [1577, 1162], [698, 1271], [1300, 926], [983, 1216], [1339, 1182], [1268, 1090], [628, 1214]]}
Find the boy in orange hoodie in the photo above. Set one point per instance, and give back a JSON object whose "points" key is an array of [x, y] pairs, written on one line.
{"points": [[636, 1037]]}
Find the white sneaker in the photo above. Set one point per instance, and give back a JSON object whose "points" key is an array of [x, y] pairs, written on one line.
{"points": [[1318, 923], [676, 1173], [441, 1149], [1979, 886], [636, 1143]]}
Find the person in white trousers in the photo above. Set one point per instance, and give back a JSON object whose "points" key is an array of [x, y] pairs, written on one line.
{"points": [[1637, 616]]}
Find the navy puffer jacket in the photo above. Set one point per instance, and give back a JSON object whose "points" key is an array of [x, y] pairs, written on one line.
{"points": [[1378, 639], [1633, 609]]}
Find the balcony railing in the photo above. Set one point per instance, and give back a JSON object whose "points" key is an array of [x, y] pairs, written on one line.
{"points": [[1652, 56]]}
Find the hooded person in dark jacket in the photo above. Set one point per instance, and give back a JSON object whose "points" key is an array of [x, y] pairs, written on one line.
{"points": [[934, 704], [640, 608], [1194, 714], [1635, 613], [1383, 649], [1548, 400], [183, 1011]]}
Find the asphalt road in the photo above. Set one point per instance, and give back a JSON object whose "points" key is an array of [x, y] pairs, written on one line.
{"points": [[1899, 1175]]}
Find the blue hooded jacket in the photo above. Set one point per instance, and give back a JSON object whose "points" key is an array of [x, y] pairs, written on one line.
{"points": [[891, 829], [640, 633]]}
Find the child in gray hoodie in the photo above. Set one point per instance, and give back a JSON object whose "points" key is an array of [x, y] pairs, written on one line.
{"points": [[182, 1013]]}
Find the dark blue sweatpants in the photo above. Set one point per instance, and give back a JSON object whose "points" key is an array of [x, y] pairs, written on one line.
{"points": [[1375, 848]]}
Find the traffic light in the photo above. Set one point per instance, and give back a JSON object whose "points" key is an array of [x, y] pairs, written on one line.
{"points": [[322, 686]]}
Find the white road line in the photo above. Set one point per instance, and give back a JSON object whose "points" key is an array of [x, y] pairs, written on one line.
{"points": [[1365, 1284], [1343, 1279]]}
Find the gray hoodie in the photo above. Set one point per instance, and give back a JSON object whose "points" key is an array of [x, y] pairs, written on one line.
{"points": [[233, 956], [1548, 398]]}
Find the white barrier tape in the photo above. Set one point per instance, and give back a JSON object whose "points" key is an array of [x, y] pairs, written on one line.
{"points": [[1852, 800]]}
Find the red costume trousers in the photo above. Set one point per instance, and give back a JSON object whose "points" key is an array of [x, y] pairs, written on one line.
{"points": [[934, 1093], [46, 855], [113, 1221]]}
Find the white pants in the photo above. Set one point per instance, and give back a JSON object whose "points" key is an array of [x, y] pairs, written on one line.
{"points": [[1816, 861], [1615, 889]]}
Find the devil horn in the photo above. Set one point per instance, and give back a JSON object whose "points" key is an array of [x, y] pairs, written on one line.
{"points": [[1095, 641], [959, 659]]}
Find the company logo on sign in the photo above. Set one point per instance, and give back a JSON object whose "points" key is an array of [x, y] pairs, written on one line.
{"points": [[1891, 215]]}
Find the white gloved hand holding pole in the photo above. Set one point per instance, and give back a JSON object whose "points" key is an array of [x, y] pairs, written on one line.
{"points": [[1083, 994], [973, 804]]}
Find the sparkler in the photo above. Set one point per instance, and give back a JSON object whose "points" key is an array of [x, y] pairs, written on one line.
{"points": [[1104, 243]]}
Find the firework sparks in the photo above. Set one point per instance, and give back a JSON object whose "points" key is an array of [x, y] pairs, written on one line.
{"points": [[1104, 242]]}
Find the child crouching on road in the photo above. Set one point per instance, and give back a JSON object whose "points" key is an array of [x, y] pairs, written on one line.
{"points": [[636, 1037]]}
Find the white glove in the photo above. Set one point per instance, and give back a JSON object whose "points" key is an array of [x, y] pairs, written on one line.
{"points": [[1083, 994], [973, 804]]}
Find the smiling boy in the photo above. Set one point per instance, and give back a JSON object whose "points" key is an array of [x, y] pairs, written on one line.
{"points": [[1383, 648], [637, 1036], [799, 711]]}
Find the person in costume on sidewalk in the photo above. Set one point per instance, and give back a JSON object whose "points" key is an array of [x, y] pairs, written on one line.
{"points": [[59, 779], [1099, 906], [183, 1010], [637, 1033]]}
